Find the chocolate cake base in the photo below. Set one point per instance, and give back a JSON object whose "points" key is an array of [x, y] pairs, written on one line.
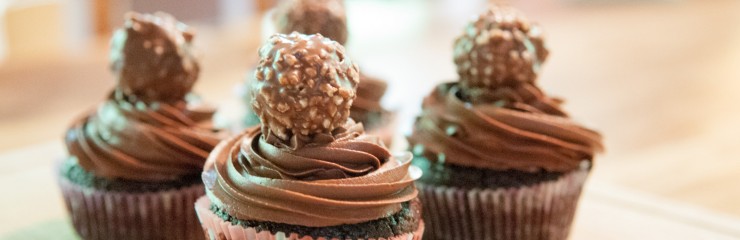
{"points": [[405, 221], [469, 177], [78, 175]]}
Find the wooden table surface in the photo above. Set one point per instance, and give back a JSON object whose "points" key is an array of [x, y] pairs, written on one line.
{"points": [[658, 78]]}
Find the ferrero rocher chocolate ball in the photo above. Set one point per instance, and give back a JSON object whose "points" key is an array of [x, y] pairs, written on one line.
{"points": [[326, 17], [500, 47], [303, 85], [152, 58]]}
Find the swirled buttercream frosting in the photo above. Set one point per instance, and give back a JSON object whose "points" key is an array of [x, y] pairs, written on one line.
{"points": [[345, 177], [495, 117], [367, 108], [309, 164], [146, 130], [523, 136], [151, 143]]}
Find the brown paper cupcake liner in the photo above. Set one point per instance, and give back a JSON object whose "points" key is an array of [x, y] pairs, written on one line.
{"points": [[107, 215], [541, 211], [216, 228]]}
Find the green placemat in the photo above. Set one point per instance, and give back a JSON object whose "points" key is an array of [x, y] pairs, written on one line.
{"points": [[58, 229]]}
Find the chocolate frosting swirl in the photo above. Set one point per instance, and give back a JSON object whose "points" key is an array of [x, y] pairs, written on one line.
{"points": [[341, 178], [157, 142], [527, 135], [369, 93], [146, 130]]}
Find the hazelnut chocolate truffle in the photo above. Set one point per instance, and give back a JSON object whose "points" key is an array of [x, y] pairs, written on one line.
{"points": [[310, 171], [501, 47], [143, 148], [327, 17], [303, 85], [152, 59], [313, 16], [495, 133]]}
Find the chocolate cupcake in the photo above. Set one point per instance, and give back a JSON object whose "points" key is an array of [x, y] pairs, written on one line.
{"points": [[309, 171], [328, 17], [135, 160], [501, 160]]}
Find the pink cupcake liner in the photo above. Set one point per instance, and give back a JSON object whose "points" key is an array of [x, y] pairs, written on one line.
{"points": [[98, 214], [541, 211], [217, 228]]}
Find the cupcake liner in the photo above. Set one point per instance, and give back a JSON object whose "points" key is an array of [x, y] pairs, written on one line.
{"points": [[216, 228], [541, 211], [98, 214]]}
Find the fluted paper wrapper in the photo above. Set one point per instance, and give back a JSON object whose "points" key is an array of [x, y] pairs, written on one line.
{"points": [[541, 211], [216, 228], [107, 215]]}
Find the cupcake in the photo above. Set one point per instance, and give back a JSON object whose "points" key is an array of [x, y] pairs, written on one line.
{"points": [[309, 171], [328, 18], [501, 159], [134, 164]]}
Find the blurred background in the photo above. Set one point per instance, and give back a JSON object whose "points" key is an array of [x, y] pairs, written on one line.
{"points": [[658, 78]]}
